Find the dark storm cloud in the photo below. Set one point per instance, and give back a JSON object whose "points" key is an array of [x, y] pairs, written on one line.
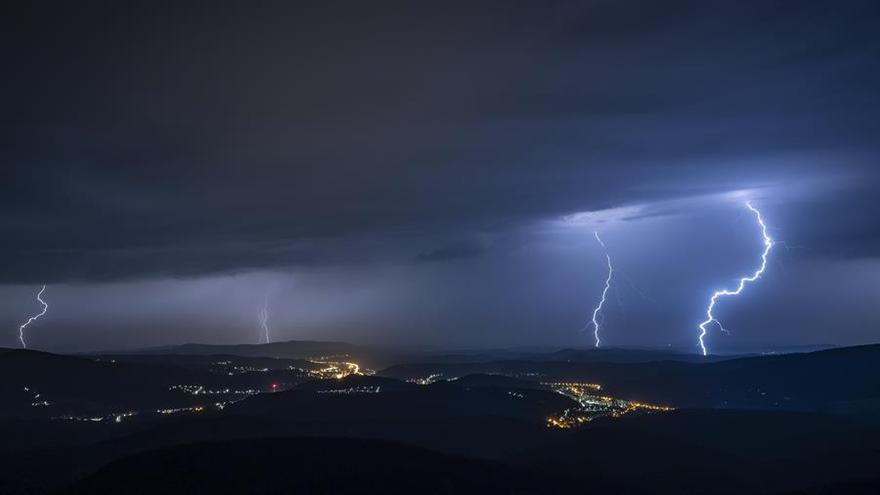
{"points": [[454, 251], [192, 138]]}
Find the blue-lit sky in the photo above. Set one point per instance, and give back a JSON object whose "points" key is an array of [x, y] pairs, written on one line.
{"points": [[399, 174]]}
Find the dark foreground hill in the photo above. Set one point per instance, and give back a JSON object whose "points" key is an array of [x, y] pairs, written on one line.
{"points": [[723, 452], [308, 465], [710, 452], [683, 452], [460, 424]]}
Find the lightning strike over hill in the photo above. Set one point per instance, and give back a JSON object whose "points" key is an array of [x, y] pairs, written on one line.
{"points": [[34, 318], [263, 316], [710, 317], [598, 309]]}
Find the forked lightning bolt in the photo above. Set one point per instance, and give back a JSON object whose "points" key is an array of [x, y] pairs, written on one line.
{"points": [[710, 317], [33, 318], [595, 320], [263, 315]]}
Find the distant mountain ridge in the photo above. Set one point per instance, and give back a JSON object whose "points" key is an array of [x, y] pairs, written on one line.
{"points": [[383, 357], [291, 349]]}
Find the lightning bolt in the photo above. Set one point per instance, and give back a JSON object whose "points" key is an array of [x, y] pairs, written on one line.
{"points": [[33, 318], [598, 309], [263, 316], [710, 317]]}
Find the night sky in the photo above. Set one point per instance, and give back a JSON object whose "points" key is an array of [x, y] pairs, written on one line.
{"points": [[431, 173]]}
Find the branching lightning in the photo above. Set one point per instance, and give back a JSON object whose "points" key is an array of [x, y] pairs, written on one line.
{"points": [[33, 318], [263, 316], [710, 317], [598, 309]]}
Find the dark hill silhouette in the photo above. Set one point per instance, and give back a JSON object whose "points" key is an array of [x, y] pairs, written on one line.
{"points": [[603, 355], [81, 385], [624, 355], [205, 361], [839, 380], [293, 349], [487, 416], [868, 486], [355, 382], [41, 456], [308, 465], [730, 451], [692, 451], [496, 381], [401, 400]]}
